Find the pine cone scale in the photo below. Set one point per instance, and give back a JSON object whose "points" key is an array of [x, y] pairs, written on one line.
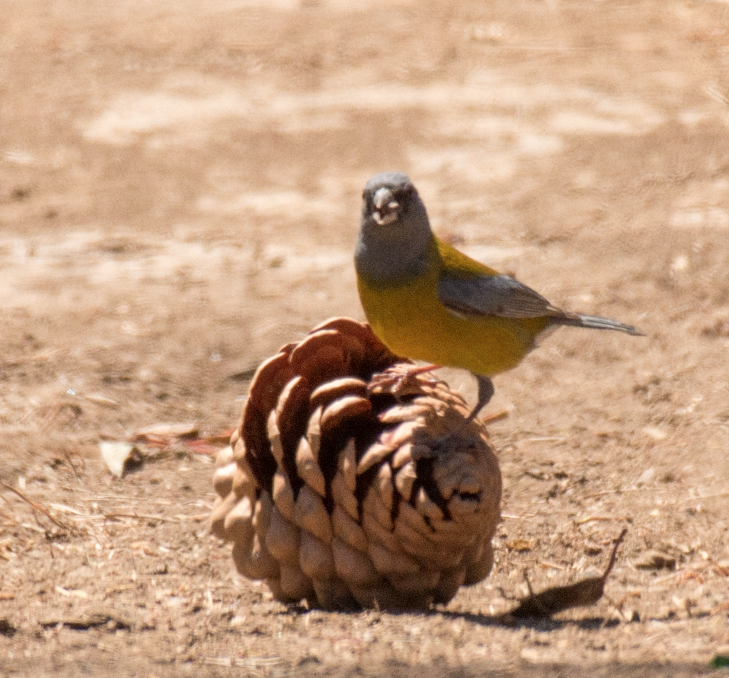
{"points": [[316, 558], [282, 539], [348, 530], [337, 388]]}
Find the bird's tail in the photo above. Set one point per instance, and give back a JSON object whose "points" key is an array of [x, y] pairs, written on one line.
{"points": [[595, 322]]}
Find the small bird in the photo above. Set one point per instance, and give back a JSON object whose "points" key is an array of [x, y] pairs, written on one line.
{"points": [[427, 301]]}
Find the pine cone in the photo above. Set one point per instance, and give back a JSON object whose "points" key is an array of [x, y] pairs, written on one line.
{"points": [[337, 492]]}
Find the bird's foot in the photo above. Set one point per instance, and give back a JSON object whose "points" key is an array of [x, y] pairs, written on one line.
{"points": [[461, 435], [397, 379], [485, 393]]}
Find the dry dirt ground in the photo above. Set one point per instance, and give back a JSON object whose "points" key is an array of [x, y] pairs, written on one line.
{"points": [[179, 196]]}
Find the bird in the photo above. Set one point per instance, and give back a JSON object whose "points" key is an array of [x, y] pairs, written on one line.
{"points": [[427, 301]]}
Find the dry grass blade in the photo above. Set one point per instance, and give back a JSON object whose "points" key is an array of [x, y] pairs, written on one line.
{"points": [[140, 516], [37, 507], [67, 457], [251, 662], [38, 357], [560, 598], [494, 417]]}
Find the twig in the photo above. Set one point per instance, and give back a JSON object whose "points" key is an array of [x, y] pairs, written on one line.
{"points": [[523, 516], [594, 518], [621, 491], [197, 518], [548, 565], [67, 457], [494, 417], [252, 662], [38, 357], [706, 496], [544, 439], [67, 509], [141, 516], [37, 507]]}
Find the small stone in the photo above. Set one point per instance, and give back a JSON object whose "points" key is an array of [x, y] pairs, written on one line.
{"points": [[647, 477]]}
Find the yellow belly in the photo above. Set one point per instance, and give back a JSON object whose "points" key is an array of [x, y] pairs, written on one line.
{"points": [[411, 322]]}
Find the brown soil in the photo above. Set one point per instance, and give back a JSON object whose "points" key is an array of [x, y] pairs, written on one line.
{"points": [[179, 195]]}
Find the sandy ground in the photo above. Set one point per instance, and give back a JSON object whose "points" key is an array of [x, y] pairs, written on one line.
{"points": [[179, 195]]}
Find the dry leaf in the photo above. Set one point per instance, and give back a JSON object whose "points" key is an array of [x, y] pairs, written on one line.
{"points": [[169, 430], [120, 457], [520, 545]]}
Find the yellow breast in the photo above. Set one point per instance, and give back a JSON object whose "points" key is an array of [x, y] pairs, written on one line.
{"points": [[412, 322]]}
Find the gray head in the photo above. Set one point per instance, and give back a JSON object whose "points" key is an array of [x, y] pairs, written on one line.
{"points": [[394, 233]]}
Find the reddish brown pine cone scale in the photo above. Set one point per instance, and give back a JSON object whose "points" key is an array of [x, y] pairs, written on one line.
{"points": [[349, 498]]}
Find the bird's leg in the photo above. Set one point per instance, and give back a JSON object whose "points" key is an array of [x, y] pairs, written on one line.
{"points": [[485, 393], [395, 379]]}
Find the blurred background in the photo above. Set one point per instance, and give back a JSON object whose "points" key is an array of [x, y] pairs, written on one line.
{"points": [[180, 191], [180, 181]]}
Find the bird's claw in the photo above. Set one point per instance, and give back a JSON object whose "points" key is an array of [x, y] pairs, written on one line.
{"points": [[400, 378]]}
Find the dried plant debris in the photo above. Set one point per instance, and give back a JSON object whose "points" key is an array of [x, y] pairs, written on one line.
{"points": [[185, 435], [120, 457], [655, 560], [40, 509], [557, 599], [91, 621], [168, 430], [123, 456], [340, 493], [7, 628]]}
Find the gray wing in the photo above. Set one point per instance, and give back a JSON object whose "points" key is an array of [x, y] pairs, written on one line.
{"points": [[498, 295]]}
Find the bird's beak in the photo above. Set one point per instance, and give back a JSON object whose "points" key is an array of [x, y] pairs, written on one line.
{"points": [[387, 209]]}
